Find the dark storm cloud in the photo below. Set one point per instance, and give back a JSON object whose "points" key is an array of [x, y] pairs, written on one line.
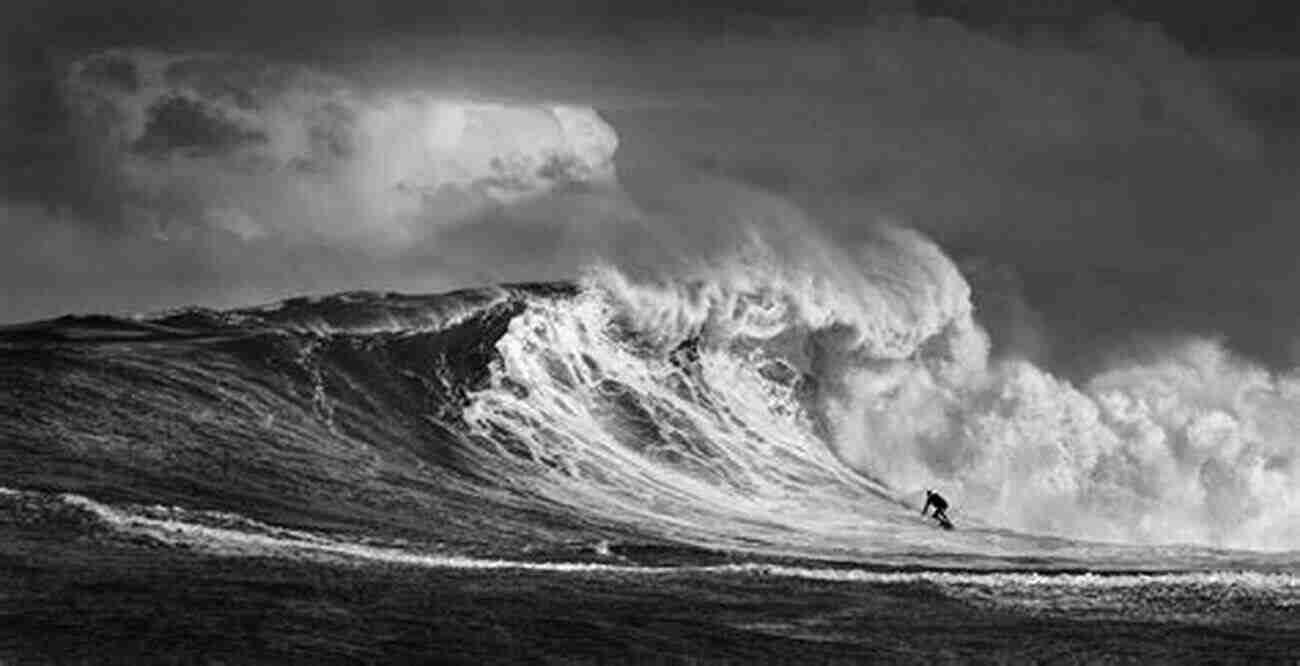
{"points": [[1103, 176]]}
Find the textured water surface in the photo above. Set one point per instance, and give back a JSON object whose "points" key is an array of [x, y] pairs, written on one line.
{"points": [[529, 473]]}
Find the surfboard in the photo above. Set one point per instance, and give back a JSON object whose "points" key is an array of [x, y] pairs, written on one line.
{"points": [[944, 523]]}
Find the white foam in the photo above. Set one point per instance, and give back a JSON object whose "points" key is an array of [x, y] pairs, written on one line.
{"points": [[273, 541]]}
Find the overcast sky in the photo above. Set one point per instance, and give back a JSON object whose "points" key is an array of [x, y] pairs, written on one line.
{"points": [[1104, 172]]}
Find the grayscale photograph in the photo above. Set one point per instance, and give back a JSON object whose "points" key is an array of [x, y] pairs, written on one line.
{"points": [[658, 332]]}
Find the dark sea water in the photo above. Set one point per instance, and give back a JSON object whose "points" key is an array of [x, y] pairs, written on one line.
{"points": [[523, 474]]}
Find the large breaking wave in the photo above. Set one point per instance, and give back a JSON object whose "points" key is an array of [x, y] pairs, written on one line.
{"points": [[748, 404]]}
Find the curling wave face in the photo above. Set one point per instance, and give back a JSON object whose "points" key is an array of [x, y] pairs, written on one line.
{"points": [[802, 400], [744, 405]]}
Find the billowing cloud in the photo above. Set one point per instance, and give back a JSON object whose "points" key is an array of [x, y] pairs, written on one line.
{"points": [[257, 148]]}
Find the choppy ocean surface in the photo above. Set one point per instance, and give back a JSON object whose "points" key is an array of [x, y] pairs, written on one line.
{"points": [[530, 473]]}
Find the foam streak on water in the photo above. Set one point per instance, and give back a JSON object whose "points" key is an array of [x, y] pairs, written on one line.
{"points": [[1184, 596]]}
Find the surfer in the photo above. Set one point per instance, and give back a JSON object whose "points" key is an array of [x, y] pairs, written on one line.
{"points": [[933, 499]]}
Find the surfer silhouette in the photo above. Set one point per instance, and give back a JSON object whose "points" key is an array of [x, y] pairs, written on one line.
{"points": [[933, 499]]}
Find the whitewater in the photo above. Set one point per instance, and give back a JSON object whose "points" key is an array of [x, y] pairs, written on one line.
{"points": [[756, 410], [574, 450], [563, 453]]}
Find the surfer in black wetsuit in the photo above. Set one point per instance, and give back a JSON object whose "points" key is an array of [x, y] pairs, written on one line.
{"points": [[933, 499]]}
